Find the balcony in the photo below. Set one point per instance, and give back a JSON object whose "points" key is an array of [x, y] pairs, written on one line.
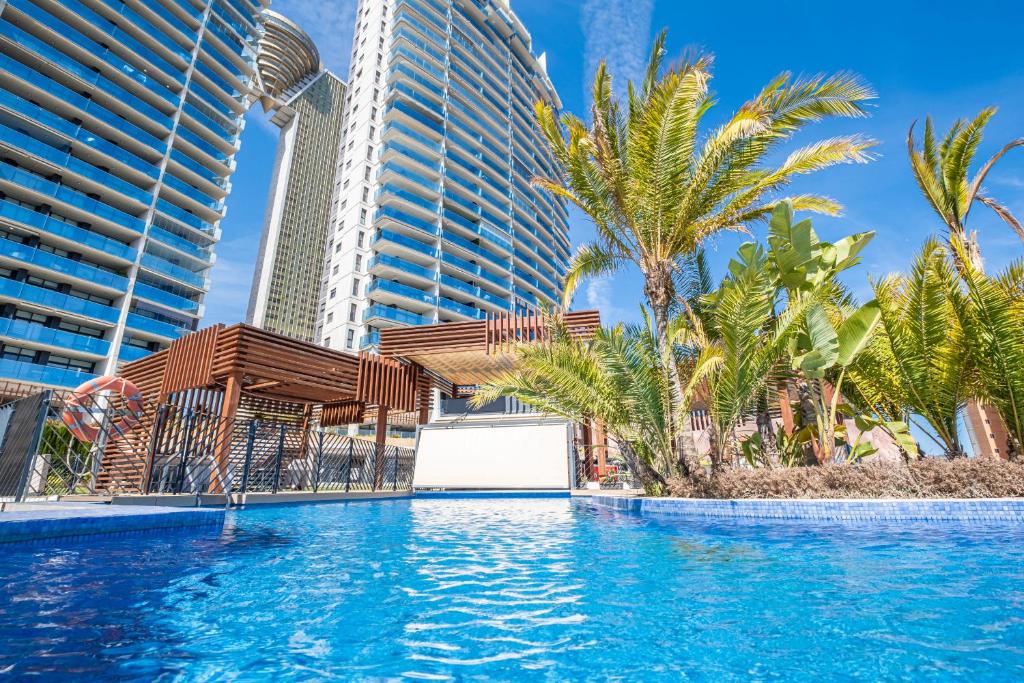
{"points": [[48, 225], [128, 353], [387, 266], [159, 328], [406, 220], [60, 157], [474, 269], [501, 262], [165, 298], [160, 266], [34, 333], [182, 216], [389, 241], [380, 312], [369, 340], [446, 304], [389, 291], [469, 290], [58, 264], [21, 371], [203, 254], [51, 300], [79, 104], [71, 197]]}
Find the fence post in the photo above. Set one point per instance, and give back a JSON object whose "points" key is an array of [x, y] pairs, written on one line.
{"points": [[248, 458], [33, 451], [319, 457], [154, 442], [183, 466], [277, 460], [394, 482], [348, 468]]}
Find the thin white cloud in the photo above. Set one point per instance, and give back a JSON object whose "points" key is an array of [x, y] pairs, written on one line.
{"points": [[599, 296], [619, 32], [330, 23]]}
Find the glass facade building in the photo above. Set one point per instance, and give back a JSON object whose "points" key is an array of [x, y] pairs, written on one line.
{"points": [[434, 218], [119, 123], [308, 105]]}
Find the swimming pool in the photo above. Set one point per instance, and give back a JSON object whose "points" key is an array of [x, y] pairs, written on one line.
{"points": [[517, 588]]}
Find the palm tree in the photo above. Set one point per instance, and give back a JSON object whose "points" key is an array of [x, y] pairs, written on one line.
{"points": [[993, 323], [739, 346], [656, 187], [617, 377], [941, 171], [923, 346]]}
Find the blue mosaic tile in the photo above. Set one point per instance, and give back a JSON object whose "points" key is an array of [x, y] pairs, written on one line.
{"points": [[917, 510]]}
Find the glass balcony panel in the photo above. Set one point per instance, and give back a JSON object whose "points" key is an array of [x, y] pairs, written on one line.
{"points": [[53, 226], [388, 190], [51, 336], [63, 302], [368, 340], [474, 269], [421, 180], [405, 219], [61, 157], [499, 261], [21, 371], [165, 267], [160, 296], [191, 192], [469, 289], [153, 326], [199, 169], [402, 265], [61, 60], [401, 290], [149, 29], [184, 216], [415, 245], [69, 196], [409, 132], [180, 243], [396, 315], [127, 353], [45, 259], [449, 305]]}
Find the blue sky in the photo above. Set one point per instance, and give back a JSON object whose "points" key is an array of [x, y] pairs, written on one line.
{"points": [[922, 56]]}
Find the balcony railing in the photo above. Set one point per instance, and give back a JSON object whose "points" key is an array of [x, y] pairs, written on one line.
{"points": [[396, 315], [52, 336], [59, 264], [21, 371], [48, 298]]}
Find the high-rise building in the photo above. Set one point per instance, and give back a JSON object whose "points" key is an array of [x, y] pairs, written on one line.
{"points": [[308, 106], [119, 122], [435, 218]]}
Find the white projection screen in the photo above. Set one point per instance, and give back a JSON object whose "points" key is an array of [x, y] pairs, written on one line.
{"points": [[528, 456]]}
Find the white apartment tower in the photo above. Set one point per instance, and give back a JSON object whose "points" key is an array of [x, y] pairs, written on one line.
{"points": [[434, 218]]}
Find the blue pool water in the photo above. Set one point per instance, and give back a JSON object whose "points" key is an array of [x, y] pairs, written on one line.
{"points": [[516, 589]]}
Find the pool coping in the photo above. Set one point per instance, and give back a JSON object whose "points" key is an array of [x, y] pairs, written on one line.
{"points": [[969, 510], [37, 522]]}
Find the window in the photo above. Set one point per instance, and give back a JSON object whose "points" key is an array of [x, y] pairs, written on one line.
{"points": [[330, 318], [355, 287], [362, 220], [350, 338], [366, 173], [352, 310], [369, 152], [359, 239], [366, 194], [334, 270], [327, 341], [373, 131], [359, 262], [334, 293]]}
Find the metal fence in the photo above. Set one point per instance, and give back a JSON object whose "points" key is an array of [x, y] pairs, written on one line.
{"points": [[183, 451]]}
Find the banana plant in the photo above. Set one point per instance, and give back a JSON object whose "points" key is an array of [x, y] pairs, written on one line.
{"points": [[833, 331]]}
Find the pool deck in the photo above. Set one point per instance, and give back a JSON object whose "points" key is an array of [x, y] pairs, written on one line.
{"points": [[963, 510], [28, 522]]}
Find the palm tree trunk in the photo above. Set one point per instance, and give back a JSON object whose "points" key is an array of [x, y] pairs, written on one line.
{"points": [[660, 291]]}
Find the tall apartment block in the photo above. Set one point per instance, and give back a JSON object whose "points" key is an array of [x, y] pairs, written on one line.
{"points": [[308, 105], [119, 122], [434, 218]]}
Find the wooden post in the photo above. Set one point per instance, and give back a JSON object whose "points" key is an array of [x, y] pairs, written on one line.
{"points": [[228, 413], [587, 447], [379, 438], [424, 401]]}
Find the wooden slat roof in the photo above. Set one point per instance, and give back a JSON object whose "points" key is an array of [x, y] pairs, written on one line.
{"points": [[472, 353]]}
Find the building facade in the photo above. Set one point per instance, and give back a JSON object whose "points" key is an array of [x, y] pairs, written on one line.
{"points": [[119, 123], [434, 218], [308, 106]]}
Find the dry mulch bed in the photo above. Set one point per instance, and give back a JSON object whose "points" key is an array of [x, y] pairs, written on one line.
{"points": [[922, 478]]}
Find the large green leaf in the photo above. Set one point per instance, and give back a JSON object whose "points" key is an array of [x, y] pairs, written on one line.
{"points": [[855, 332], [823, 341]]}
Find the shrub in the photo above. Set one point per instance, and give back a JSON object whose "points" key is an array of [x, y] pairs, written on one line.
{"points": [[923, 478]]}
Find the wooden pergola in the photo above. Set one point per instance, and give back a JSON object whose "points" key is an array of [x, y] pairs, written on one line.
{"points": [[241, 371], [472, 353]]}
